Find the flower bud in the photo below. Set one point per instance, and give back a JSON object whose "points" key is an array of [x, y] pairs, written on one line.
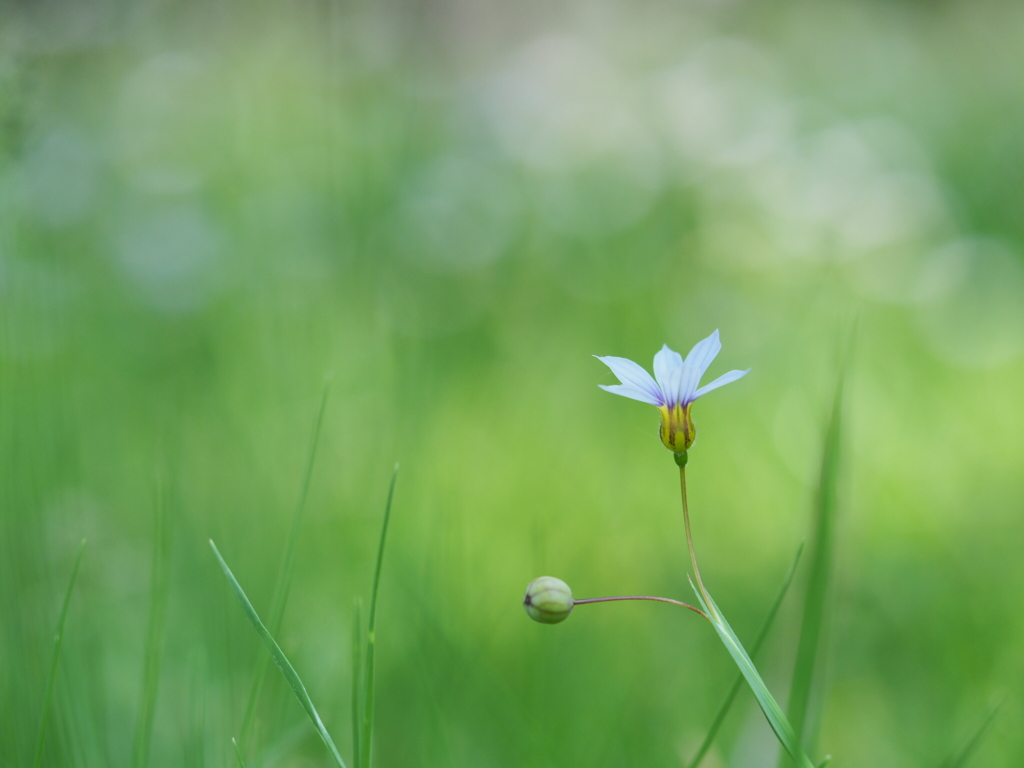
{"points": [[548, 600]]}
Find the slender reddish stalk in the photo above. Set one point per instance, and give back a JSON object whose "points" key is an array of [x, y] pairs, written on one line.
{"points": [[689, 540], [640, 597]]}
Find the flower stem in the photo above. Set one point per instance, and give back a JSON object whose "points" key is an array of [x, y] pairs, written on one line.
{"points": [[641, 597], [689, 540], [776, 718]]}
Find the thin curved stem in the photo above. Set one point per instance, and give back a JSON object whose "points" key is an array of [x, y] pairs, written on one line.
{"points": [[689, 540], [641, 597]]}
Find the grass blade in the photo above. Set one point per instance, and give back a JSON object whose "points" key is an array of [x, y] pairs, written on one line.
{"points": [[772, 711], [238, 753], [366, 739], [959, 758], [762, 633], [284, 580], [58, 639], [154, 636], [812, 625], [290, 675], [357, 677]]}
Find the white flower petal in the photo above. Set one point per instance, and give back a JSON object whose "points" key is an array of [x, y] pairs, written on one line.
{"points": [[696, 363], [721, 381], [668, 371], [636, 382]]}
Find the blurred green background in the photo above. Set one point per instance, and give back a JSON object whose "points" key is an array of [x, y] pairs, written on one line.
{"points": [[206, 208]]}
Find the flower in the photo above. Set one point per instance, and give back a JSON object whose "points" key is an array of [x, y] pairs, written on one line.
{"points": [[673, 388]]}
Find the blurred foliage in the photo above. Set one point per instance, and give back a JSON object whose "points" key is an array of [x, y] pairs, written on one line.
{"points": [[206, 208]]}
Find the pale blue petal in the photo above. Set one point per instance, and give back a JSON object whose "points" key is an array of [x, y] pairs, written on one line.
{"points": [[633, 393], [668, 371], [636, 382], [721, 381], [696, 363]]}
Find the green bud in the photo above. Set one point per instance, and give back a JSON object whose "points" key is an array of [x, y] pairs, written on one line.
{"points": [[548, 600]]}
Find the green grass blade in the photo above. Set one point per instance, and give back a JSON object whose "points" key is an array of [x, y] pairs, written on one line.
{"points": [[762, 633], [58, 639], [371, 635], [824, 761], [284, 580], [154, 636], [772, 711], [812, 625], [357, 677], [959, 758], [238, 753], [290, 675]]}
